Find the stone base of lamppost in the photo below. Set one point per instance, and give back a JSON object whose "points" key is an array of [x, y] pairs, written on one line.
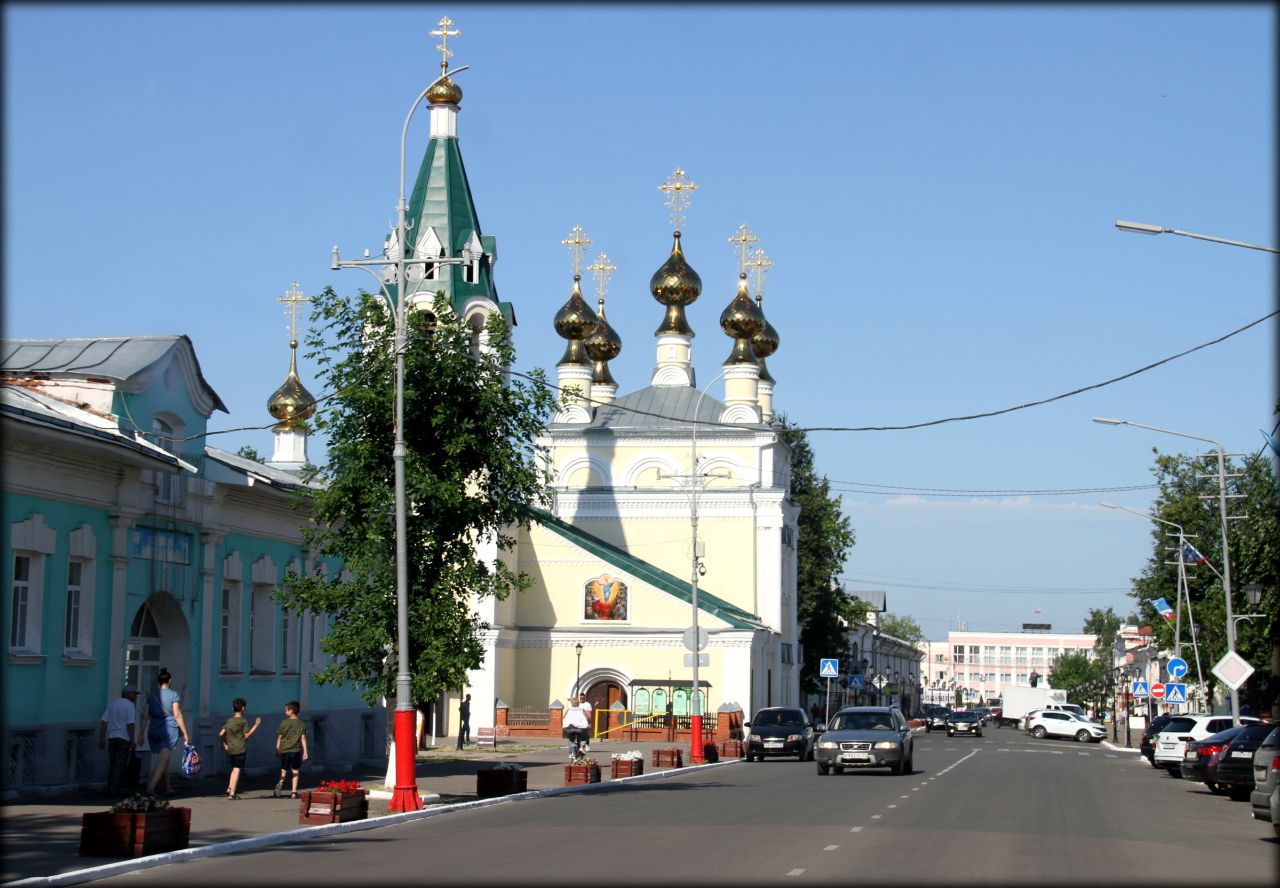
{"points": [[405, 796]]}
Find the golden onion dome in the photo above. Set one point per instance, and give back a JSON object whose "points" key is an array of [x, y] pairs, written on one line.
{"points": [[575, 321], [602, 346], [291, 404], [743, 320], [764, 344], [445, 92], [675, 285]]}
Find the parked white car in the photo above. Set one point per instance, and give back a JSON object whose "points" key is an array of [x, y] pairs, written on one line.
{"points": [[1171, 743], [1061, 723]]}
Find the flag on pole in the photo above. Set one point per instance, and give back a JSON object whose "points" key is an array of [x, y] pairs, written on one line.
{"points": [[1192, 554], [1163, 607]]}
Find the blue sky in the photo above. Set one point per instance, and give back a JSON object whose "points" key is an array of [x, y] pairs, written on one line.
{"points": [[937, 187]]}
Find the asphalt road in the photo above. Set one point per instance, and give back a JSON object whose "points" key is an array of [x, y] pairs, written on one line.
{"points": [[1001, 809]]}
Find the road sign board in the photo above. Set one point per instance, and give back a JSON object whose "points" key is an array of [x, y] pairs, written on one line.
{"points": [[828, 667], [1177, 668], [703, 659], [1157, 690], [878, 681], [1175, 693], [855, 682], [1141, 689], [689, 641], [1233, 669]]}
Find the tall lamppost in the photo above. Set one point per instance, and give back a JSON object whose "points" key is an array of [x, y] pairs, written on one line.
{"points": [[577, 682], [1145, 228], [405, 796], [696, 752], [1226, 555]]}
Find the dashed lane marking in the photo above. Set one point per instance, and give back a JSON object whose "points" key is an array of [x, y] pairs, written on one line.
{"points": [[831, 848], [904, 797], [856, 829], [795, 872], [892, 806], [876, 816]]}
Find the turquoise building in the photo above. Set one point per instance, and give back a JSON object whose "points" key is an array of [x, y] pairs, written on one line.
{"points": [[131, 545]]}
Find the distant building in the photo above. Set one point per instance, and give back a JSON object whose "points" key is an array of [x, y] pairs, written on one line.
{"points": [[981, 664]]}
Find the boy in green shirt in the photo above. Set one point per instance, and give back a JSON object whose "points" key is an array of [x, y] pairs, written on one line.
{"points": [[291, 746], [235, 734]]}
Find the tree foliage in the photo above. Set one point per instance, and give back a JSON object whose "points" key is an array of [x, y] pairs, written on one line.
{"points": [[902, 627], [1081, 676], [1106, 626], [825, 537], [1190, 500], [470, 466]]}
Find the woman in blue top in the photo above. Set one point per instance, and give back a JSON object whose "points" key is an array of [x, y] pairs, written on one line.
{"points": [[162, 724]]}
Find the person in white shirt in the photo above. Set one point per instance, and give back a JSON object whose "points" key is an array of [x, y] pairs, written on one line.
{"points": [[575, 725], [115, 733], [586, 710]]}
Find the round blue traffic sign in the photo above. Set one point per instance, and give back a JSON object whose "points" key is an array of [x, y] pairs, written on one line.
{"points": [[1177, 667]]}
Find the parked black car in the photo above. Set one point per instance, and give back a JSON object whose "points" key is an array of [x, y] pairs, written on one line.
{"points": [[1202, 754], [937, 718], [1233, 773], [1148, 745], [780, 730]]}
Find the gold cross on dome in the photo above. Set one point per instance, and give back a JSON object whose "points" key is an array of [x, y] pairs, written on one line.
{"points": [[743, 239], [759, 265], [678, 188], [577, 243], [293, 298], [444, 34], [602, 269]]}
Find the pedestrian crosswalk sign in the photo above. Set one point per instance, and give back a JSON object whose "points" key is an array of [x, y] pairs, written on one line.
{"points": [[855, 682], [1175, 693], [828, 667], [1141, 689]]}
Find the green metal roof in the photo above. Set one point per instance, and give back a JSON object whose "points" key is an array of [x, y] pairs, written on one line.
{"points": [[441, 200], [654, 576]]}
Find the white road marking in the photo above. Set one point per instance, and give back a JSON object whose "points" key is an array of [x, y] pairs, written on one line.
{"points": [[915, 789], [828, 848], [856, 829], [795, 872], [1056, 752], [892, 806], [904, 797], [1082, 753], [876, 816], [1110, 756], [958, 761]]}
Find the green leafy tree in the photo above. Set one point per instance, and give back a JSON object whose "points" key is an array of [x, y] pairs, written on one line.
{"points": [[824, 609], [1189, 499], [902, 627], [249, 452], [470, 467], [1081, 676]]}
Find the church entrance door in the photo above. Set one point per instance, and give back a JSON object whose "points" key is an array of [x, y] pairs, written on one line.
{"points": [[601, 696]]}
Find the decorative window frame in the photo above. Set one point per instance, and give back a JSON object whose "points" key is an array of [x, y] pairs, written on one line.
{"points": [[290, 630], [35, 541], [262, 617], [82, 551], [169, 432], [231, 617]]}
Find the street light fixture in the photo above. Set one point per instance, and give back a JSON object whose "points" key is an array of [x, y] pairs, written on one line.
{"points": [[1253, 592], [1226, 555], [1146, 228], [405, 796], [577, 682]]}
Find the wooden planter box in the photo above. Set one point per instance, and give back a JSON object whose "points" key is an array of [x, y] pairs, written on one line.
{"points": [[493, 782], [668, 758], [731, 749], [317, 808], [626, 767], [581, 774], [134, 835]]}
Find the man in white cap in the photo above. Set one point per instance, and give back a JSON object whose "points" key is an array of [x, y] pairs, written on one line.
{"points": [[115, 732]]}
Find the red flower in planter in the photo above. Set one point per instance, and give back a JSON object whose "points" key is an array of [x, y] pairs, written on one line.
{"points": [[342, 787]]}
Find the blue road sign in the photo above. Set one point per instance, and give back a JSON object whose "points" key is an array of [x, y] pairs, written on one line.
{"points": [[855, 682], [1177, 668], [1141, 689], [1175, 693], [828, 667]]}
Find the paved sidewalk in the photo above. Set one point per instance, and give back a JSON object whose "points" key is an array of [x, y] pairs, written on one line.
{"points": [[42, 836]]}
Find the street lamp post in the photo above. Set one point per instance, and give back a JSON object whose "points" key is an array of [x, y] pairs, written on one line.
{"points": [[405, 796], [1226, 555], [1145, 228], [577, 682], [696, 752]]}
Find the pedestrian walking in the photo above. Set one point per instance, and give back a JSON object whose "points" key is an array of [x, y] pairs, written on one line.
{"points": [[586, 710], [464, 721], [574, 723], [235, 735], [162, 724], [291, 746], [115, 734]]}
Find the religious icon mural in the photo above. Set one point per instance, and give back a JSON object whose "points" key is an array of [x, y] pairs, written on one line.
{"points": [[605, 598]]}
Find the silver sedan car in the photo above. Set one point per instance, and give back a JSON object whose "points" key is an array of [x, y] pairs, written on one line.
{"points": [[866, 737]]}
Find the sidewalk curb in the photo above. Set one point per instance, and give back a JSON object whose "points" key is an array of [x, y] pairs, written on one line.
{"points": [[305, 833], [1107, 744]]}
